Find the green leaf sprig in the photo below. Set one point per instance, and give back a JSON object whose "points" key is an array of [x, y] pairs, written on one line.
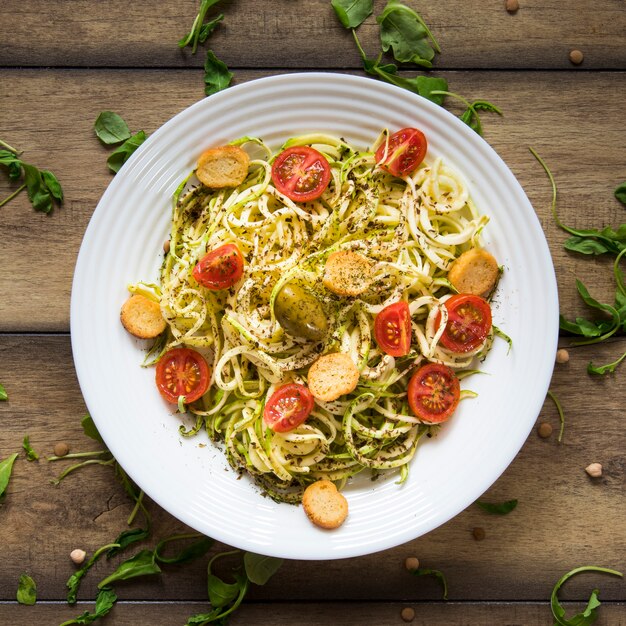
{"points": [[3, 393], [497, 508], [594, 241], [404, 32], [42, 186], [31, 455], [112, 130], [422, 571], [26, 590], [200, 30], [6, 467], [225, 597], [589, 614], [104, 603], [559, 409], [352, 13], [216, 74]]}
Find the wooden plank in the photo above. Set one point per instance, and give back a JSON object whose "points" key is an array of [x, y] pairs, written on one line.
{"points": [[50, 114], [280, 34], [309, 614], [563, 519]]}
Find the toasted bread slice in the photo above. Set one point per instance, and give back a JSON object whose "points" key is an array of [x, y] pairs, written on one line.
{"points": [[226, 166], [324, 505], [332, 376], [475, 271], [347, 273], [142, 317]]}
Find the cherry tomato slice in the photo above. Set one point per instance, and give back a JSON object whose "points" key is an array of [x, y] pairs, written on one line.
{"points": [[301, 173], [221, 268], [182, 372], [405, 150], [469, 322], [433, 393], [288, 407], [392, 329]]}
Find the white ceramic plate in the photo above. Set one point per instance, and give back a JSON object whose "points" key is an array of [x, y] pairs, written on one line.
{"points": [[123, 244]]}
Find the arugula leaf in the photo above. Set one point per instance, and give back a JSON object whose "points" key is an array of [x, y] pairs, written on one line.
{"points": [[5, 472], [42, 186], [352, 13], [620, 192], [216, 74], [3, 393], [104, 603], [428, 87], [120, 155], [437, 574], [142, 564], [199, 30], [110, 128], [127, 538], [89, 428], [405, 32], [260, 568], [220, 593], [589, 615], [26, 590], [205, 618], [31, 455], [189, 553], [497, 508]]}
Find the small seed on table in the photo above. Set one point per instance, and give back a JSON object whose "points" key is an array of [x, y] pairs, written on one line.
{"points": [[411, 563], [511, 5], [576, 57], [594, 470], [407, 614], [61, 449], [562, 356], [77, 556], [478, 533], [544, 430]]}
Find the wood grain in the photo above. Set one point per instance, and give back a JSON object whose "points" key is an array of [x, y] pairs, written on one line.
{"points": [[279, 34], [563, 520], [49, 114], [309, 614]]}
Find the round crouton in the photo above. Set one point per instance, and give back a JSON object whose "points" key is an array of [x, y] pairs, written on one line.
{"points": [[475, 271], [226, 166], [142, 317], [347, 273], [332, 376], [324, 505]]}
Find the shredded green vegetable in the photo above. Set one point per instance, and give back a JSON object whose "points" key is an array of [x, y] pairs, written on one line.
{"points": [[411, 229]]}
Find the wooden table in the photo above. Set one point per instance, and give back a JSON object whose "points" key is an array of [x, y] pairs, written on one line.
{"points": [[62, 63]]}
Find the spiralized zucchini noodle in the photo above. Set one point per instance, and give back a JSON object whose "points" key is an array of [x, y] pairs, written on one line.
{"points": [[410, 228]]}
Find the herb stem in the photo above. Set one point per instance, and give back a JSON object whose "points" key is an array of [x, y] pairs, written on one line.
{"points": [[69, 470], [78, 455], [619, 278], [138, 505], [10, 197], [4, 144], [559, 408]]}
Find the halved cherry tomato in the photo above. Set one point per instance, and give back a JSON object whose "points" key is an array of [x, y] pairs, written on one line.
{"points": [[392, 329], [221, 268], [288, 407], [301, 173], [406, 149], [182, 372], [433, 393], [469, 322]]}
